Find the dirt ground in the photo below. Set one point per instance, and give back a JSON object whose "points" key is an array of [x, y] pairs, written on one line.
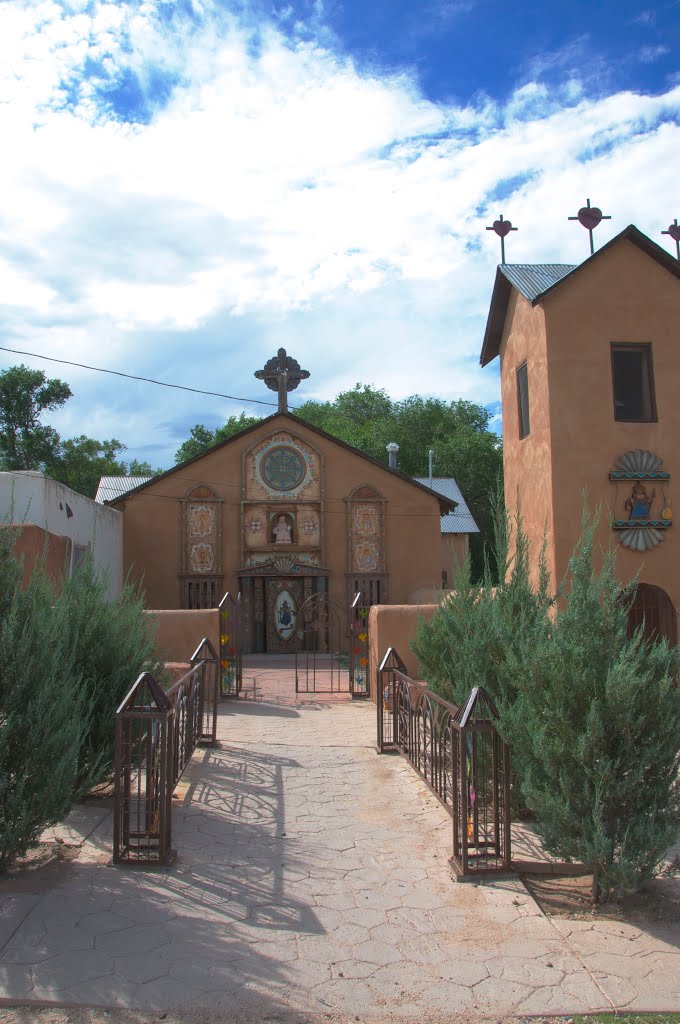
{"points": [[570, 896], [80, 1015]]}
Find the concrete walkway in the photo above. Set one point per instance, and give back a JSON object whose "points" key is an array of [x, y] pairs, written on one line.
{"points": [[312, 875]]}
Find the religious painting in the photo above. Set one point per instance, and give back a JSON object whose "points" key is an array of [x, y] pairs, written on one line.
{"points": [[201, 520], [282, 464], [646, 514], [201, 558], [201, 531], [366, 557], [366, 520], [285, 615], [308, 528], [366, 531], [255, 528]]}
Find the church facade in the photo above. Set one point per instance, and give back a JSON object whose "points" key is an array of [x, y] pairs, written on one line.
{"points": [[280, 512], [590, 379]]}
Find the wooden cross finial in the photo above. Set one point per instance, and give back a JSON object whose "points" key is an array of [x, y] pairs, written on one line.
{"points": [[590, 216], [502, 228], [282, 373], [674, 232]]}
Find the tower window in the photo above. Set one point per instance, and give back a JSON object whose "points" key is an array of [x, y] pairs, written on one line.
{"points": [[633, 383], [523, 400]]}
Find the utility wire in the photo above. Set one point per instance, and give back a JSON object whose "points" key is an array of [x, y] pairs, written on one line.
{"points": [[132, 376]]}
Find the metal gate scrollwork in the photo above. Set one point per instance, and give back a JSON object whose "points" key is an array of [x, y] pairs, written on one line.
{"points": [[322, 664]]}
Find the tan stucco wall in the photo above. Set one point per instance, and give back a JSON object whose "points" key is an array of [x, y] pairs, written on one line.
{"points": [[394, 626], [623, 296], [527, 462], [152, 519], [179, 632]]}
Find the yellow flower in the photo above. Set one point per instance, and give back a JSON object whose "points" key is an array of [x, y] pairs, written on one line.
{"points": [[224, 639], [362, 636]]}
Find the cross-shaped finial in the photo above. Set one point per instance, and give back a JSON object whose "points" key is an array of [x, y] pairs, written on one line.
{"points": [[590, 216], [674, 232], [502, 228], [282, 373]]}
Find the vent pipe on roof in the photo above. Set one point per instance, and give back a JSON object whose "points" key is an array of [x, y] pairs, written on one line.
{"points": [[392, 449], [430, 457]]}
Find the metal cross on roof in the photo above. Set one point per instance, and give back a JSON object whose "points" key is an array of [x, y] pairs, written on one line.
{"points": [[282, 373], [674, 232], [590, 216], [502, 228]]}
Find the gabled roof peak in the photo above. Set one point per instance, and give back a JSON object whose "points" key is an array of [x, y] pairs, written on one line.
{"points": [[535, 281]]}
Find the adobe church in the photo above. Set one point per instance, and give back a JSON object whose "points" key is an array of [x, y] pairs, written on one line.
{"points": [[590, 387], [278, 513]]}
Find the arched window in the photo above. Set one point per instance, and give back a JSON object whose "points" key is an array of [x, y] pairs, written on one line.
{"points": [[653, 610]]}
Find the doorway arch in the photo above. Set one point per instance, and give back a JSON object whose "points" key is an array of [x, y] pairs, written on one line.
{"points": [[653, 609]]}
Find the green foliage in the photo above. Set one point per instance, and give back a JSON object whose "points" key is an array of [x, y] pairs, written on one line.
{"points": [[482, 631], [67, 661], [202, 438], [598, 733], [112, 642], [43, 708], [25, 443], [592, 715]]}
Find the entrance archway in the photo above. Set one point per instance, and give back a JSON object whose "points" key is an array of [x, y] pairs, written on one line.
{"points": [[653, 610]]}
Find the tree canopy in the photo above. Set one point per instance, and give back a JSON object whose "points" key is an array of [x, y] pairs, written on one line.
{"points": [[27, 443]]}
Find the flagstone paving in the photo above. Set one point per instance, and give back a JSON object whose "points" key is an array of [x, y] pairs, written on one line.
{"points": [[312, 875]]}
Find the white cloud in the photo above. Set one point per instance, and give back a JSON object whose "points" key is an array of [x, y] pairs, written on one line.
{"points": [[280, 196]]}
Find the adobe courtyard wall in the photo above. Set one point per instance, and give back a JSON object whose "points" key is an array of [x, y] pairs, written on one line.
{"points": [[395, 626], [179, 632], [33, 544]]}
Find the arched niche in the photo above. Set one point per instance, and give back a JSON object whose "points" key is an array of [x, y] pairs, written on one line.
{"points": [[201, 576], [366, 559], [653, 609]]}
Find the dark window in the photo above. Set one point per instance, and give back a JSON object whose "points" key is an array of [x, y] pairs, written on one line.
{"points": [[523, 399], [633, 380]]}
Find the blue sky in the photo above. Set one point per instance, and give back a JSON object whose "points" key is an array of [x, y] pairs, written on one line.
{"points": [[189, 184]]}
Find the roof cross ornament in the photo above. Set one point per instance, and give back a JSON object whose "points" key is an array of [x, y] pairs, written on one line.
{"points": [[502, 228], [590, 216], [674, 232], [282, 373]]}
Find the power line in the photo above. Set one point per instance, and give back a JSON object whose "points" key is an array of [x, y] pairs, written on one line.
{"points": [[132, 376]]}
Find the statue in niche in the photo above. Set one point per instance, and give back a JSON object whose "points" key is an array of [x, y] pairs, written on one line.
{"points": [[283, 531], [639, 504]]}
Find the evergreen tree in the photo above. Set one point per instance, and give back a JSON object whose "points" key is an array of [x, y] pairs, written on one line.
{"points": [[597, 731], [43, 709]]}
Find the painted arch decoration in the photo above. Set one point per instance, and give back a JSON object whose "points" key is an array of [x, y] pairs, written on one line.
{"points": [[642, 498]]}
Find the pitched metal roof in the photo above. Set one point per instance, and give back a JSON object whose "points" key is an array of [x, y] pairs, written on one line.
{"points": [[536, 281], [461, 520], [531, 279], [111, 487]]}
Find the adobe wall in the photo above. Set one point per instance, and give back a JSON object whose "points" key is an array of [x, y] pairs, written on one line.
{"points": [[394, 626], [153, 523], [623, 296], [179, 632], [30, 497], [527, 468], [33, 543]]}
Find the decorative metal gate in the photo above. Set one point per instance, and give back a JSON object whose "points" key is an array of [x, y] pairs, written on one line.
{"points": [[322, 664], [358, 651], [231, 645]]}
